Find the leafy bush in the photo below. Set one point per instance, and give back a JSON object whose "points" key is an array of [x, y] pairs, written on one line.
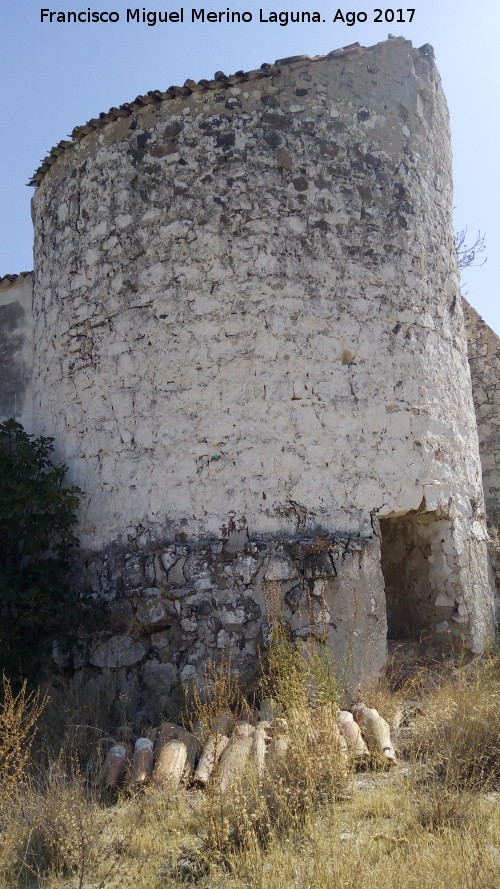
{"points": [[37, 515]]}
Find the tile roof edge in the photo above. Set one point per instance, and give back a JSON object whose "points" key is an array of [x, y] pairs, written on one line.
{"points": [[7, 280], [220, 81]]}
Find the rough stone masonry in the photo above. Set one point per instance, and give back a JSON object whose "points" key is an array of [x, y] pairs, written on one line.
{"points": [[249, 347]]}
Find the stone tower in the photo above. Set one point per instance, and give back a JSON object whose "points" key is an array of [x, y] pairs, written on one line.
{"points": [[250, 352]]}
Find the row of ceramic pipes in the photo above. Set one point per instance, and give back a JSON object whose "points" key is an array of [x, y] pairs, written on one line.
{"points": [[175, 754]]}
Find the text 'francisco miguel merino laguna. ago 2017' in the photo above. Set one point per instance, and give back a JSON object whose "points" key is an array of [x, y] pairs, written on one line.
{"points": [[222, 16]]}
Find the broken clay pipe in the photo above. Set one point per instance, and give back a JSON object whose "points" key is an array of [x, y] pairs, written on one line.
{"points": [[375, 730]]}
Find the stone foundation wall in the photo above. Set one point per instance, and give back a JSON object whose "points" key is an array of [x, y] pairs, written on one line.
{"points": [[172, 608]]}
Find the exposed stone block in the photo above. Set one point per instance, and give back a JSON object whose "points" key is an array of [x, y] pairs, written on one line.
{"points": [[119, 651], [152, 612], [281, 568], [318, 565]]}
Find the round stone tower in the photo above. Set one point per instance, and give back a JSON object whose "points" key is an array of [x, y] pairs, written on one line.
{"points": [[250, 351]]}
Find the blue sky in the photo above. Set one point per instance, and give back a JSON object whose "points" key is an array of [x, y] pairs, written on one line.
{"points": [[55, 76]]}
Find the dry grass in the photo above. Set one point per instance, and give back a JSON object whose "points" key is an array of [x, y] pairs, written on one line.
{"points": [[19, 715], [430, 823], [218, 694], [457, 734]]}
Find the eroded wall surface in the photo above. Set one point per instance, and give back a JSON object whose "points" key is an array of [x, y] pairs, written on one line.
{"points": [[16, 348]]}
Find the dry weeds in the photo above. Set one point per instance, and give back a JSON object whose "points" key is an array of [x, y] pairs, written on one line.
{"points": [[433, 822]]}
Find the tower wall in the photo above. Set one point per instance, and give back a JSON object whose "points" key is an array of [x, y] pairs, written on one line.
{"points": [[248, 323]]}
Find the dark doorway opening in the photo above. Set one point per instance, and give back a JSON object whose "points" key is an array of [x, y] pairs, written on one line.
{"points": [[412, 559]]}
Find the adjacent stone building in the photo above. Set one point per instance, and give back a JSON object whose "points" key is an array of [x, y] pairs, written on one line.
{"points": [[249, 347], [16, 347], [484, 361]]}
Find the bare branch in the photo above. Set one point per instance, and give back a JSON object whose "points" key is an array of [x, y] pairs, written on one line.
{"points": [[468, 253]]}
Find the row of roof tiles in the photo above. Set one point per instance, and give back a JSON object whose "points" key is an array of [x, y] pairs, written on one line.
{"points": [[220, 81], [7, 280]]}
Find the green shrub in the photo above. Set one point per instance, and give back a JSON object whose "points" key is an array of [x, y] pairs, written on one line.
{"points": [[37, 515]]}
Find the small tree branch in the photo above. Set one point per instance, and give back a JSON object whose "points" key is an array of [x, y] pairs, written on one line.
{"points": [[468, 253]]}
